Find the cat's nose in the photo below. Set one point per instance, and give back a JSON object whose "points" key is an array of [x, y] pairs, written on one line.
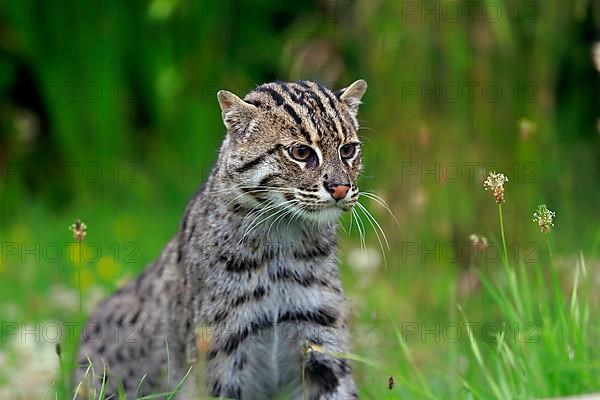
{"points": [[338, 191]]}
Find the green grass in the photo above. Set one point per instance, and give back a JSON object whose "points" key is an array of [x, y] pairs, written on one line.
{"points": [[545, 345], [542, 343]]}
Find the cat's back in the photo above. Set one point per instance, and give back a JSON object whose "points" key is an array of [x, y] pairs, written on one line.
{"points": [[127, 332]]}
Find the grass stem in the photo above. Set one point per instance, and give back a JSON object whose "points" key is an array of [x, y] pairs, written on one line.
{"points": [[79, 281], [504, 248]]}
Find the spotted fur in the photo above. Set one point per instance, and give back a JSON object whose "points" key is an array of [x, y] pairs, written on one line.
{"points": [[248, 293]]}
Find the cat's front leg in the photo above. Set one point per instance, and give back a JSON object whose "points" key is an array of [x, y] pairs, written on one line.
{"points": [[327, 374], [223, 381], [226, 363]]}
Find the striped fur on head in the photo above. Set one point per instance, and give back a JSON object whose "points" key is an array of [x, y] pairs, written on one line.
{"points": [[265, 130]]}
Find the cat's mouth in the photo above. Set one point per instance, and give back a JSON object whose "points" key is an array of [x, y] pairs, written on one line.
{"points": [[325, 211], [317, 208]]}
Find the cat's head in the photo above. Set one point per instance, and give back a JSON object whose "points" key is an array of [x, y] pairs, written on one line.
{"points": [[294, 147]]}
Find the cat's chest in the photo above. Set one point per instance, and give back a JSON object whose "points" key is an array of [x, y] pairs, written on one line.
{"points": [[271, 284], [293, 289], [272, 308], [277, 290]]}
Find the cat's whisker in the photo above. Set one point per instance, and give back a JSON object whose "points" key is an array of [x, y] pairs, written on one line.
{"points": [[343, 228], [257, 215], [287, 208], [258, 191], [257, 210], [374, 223], [254, 224], [363, 233], [361, 230], [260, 208], [247, 189], [274, 188], [290, 210], [351, 220], [278, 220], [372, 218], [234, 186], [278, 212], [297, 213], [240, 186], [361, 227], [319, 225], [381, 201]]}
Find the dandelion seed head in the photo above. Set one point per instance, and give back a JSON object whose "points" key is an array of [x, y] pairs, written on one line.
{"points": [[544, 218], [495, 183]]}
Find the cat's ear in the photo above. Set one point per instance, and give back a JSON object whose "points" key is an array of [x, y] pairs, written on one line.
{"points": [[236, 113], [352, 95]]}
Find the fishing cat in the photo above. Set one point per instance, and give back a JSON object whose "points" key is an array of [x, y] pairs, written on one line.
{"points": [[249, 287]]}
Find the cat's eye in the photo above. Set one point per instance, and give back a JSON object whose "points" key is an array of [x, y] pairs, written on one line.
{"points": [[301, 153], [347, 151]]}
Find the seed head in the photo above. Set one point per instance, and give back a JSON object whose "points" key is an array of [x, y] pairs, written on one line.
{"points": [[79, 230], [543, 217], [479, 241], [495, 183]]}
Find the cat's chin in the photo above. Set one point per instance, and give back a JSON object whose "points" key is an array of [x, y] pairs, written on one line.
{"points": [[323, 215]]}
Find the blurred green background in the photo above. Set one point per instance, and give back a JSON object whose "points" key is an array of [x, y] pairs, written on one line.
{"points": [[108, 113]]}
